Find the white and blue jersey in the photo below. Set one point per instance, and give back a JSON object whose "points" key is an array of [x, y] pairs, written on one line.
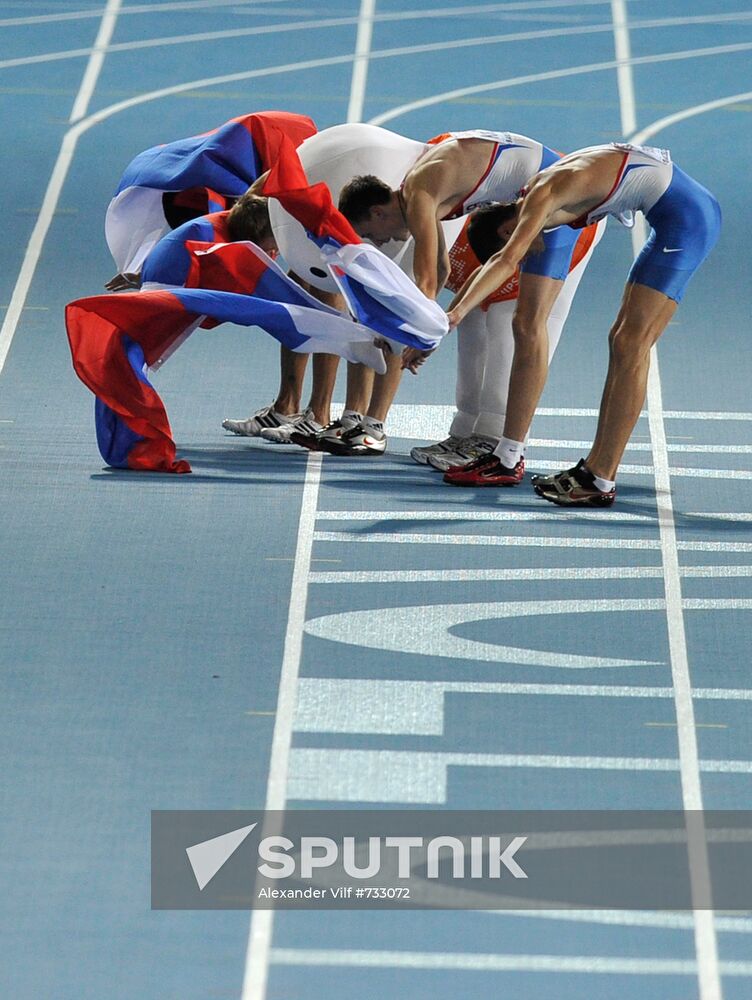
{"points": [[684, 216], [513, 161]]}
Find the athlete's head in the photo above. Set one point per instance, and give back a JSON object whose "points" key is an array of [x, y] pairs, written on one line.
{"points": [[373, 209], [490, 228], [249, 220]]}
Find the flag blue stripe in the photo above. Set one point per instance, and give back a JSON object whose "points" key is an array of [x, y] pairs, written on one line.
{"points": [[226, 161]]}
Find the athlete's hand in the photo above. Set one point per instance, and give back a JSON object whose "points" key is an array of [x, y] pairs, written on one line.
{"points": [[455, 317], [413, 358], [123, 281]]}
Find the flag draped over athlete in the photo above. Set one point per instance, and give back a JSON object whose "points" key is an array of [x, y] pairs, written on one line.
{"points": [[114, 338]]}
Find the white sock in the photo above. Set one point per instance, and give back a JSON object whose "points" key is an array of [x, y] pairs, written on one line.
{"points": [[375, 426], [351, 416], [604, 485], [509, 452]]}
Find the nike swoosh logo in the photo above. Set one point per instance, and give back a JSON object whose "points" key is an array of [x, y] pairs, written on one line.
{"points": [[675, 250]]}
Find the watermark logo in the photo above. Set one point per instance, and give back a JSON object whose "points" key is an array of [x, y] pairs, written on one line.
{"points": [[450, 859]]}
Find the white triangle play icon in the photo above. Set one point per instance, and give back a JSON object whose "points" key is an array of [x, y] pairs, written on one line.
{"points": [[208, 857]]}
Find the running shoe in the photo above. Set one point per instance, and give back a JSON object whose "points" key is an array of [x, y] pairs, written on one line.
{"points": [[306, 423], [485, 471], [253, 426], [358, 440], [423, 455], [465, 452], [573, 488], [332, 432]]}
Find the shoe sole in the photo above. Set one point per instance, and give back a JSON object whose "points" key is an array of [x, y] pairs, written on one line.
{"points": [[594, 501], [239, 433], [481, 482], [332, 449]]}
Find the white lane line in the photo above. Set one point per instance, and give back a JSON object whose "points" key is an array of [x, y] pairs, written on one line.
{"points": [[543, 573], [647, 470], [623, 50], [479, 962], [94, 66], [706, 942], [82, 15], [410, 50], [360, 63], [469, 514], [483, 88], [640, 137], [735, 449], [261, 931], [539, 541], [716, 516], [262, 921], [201, 5], [54, 188], [631, 918], [705, 415], [536, 541], [512, 688], [407, 411]]}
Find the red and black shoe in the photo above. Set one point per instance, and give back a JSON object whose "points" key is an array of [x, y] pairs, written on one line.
{"points": [[485, 471], [573, 488]]}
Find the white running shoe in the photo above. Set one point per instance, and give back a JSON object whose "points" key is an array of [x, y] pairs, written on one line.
{"points": [[423, 454], [304, 423], [466, 451], [252, 426]]}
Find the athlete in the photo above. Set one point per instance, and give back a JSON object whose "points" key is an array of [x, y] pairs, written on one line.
{"points": [[334, 156], [616, 179], [460, 172], [485, 349]]}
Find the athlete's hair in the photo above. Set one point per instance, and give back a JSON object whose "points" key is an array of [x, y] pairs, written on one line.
{"points": [[360, 195], [249, 219], [482, 232]]}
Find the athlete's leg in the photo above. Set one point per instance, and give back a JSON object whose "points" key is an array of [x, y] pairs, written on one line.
{"points": [[494, 387], [531, 349], [292, 368], [472, 348], [359, 387], [385, 389], [643, 316], [324, 377]]}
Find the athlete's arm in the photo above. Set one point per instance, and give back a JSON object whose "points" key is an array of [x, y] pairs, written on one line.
{"points": [[420, 212], [443, 266]]}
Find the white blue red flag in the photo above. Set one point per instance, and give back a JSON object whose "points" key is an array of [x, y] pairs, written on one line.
{"points": [[378, 293], [114, 338], [170, 262], [198, 174]]}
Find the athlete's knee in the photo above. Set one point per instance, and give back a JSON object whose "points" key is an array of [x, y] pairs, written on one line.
{"points": [[631, 342], [529, 332]]}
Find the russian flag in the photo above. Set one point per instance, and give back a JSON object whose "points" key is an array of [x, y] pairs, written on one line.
{"points": [[378, 293], [114, 338], [169, 263], [190, 177]]}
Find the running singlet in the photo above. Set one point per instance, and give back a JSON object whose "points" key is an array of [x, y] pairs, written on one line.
{"points": [[685, 218], [644, 176], [464, 262], [513, 161]]}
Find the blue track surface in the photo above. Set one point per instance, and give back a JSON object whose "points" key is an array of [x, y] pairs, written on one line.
{"points": [[151, 625]]}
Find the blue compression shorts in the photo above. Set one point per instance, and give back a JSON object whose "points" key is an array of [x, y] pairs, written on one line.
{"points": [[685, 221], [554, 261]]}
